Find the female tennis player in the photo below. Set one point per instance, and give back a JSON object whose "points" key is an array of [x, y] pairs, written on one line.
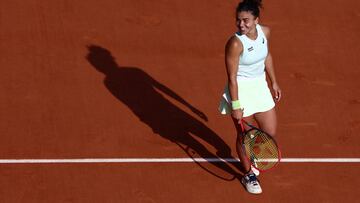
{"points": [[247, 95]]}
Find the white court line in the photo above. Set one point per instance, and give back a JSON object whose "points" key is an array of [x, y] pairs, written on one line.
{"points": [[168, 160]]}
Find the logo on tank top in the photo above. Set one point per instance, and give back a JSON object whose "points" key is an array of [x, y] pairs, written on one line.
{"points": [[251, 49], [263, 40]]}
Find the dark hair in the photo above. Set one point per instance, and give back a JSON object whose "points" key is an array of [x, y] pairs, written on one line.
{"points": [[252, 6]]}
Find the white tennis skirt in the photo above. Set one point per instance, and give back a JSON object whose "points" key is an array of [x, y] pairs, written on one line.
{"points": [[254, 95]]}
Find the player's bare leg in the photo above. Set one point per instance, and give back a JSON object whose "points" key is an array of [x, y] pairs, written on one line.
{"points": [[239, 149], [267, 121], [249, 179]]}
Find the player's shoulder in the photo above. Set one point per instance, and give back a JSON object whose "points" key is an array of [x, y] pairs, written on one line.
{"points": [[266, 30], [234, 43]]}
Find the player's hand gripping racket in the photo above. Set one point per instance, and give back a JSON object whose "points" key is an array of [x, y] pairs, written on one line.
{"points": [[259, 147]]}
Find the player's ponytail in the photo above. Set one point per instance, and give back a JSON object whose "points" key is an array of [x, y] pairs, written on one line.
{"points": [[252, 6]]}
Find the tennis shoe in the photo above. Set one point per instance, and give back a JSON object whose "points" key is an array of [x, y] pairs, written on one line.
{"points": [[251, 184]]}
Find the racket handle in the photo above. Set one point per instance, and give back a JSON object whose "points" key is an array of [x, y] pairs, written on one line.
{"points": [[242, 125]]}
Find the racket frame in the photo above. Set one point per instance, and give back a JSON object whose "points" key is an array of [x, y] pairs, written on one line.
{"points": [[244, 132]]}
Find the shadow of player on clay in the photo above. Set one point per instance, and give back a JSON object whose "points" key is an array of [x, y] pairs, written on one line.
{"points": [[140, 93]]}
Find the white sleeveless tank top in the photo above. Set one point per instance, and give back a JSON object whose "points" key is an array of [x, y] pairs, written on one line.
{"points": [[252, 59]]}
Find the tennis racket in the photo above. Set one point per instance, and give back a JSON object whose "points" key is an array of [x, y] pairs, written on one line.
{"points": [[259, 147]]}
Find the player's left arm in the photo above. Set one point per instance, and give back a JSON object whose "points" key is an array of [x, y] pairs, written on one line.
{"points": [[269, 67]]}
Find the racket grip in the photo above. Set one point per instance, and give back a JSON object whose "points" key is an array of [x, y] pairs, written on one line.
{"points": [[242, 126]]}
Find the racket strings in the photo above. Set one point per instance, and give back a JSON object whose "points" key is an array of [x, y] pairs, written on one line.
{"points": [[261, 150]]}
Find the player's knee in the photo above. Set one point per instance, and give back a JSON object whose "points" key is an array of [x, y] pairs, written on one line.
{"points": [[271, 131]]}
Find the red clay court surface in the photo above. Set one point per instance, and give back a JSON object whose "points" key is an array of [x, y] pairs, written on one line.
{"points": [[122, 79]]}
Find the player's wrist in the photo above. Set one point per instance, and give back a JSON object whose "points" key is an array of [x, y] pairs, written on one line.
{"points": [[238, 110], [274, 83], [235, 105]]}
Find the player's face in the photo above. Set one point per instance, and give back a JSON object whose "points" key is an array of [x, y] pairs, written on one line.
{"points": [[246, 22]]}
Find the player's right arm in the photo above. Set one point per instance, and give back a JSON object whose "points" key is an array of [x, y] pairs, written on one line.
{"points": [[233, 49]]}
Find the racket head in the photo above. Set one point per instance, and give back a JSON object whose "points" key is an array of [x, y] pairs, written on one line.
{"points": [[260, 148]]}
